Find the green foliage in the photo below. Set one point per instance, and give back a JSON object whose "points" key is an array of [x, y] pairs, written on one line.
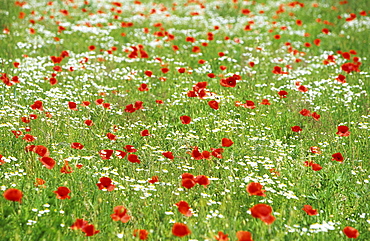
{"points": [[265, 148]]}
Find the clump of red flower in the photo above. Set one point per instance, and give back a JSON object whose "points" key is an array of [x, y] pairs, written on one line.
{"points": [[189, 181], [85, 227], [120, 214], [230, 81]]}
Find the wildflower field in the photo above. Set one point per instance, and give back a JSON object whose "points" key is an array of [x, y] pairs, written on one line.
{"points": [[184, 120]]}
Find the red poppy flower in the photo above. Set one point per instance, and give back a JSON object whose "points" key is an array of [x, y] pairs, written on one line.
{"points": [[76, 145], [41, 150], [33, 117], [308, 209], [130, 148], [296, 129], [39, 182], [302, 88], [317, 42], [28, 138], [226, 142], [130, 108], [315, 149], [211, 75], [180, 230], [337, 157], [217, 152], [196, 154], [222, 67], [16, 64], [181, 70], [316, 167], [190, 39], [229, 82], [72, 105], [325, 31], [346, 55], [48, 162], [29, 148], [120, 214], [265, 102], [222, 237], [25, 120], [249, 104], [143, 234], [133, 158], [99, 101], [351, 232], [13, 194], [138, 105], [191, 93], [111, 136], [165, 70], [244, 236], [144, 133], [85, 103], [196, 49], [159, 101], [202, 61], [92, 47], [188, 181], [206, 155], [308, 163], [341, 78], [185, 119], [255, 188], [89, 122], [315, 116], [263, 212], [168, 154], [62, 193], [213, 104], [106, 105], [305, 112], [202, 180], [57, 68], [143, 87], [148, 73], [184, 208], [17, 133], [105, 154], [89, 230], [120, 154], [79, 224], [154, 179], [105, 183], [278, 70], [282, 93], [66, 168], [343, 131], [350, 67]]}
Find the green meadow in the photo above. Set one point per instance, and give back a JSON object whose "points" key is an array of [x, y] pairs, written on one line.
{"points": [[255, 114]]}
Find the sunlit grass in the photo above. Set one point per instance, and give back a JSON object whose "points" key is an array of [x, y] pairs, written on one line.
{"points": [[102, 64]]}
